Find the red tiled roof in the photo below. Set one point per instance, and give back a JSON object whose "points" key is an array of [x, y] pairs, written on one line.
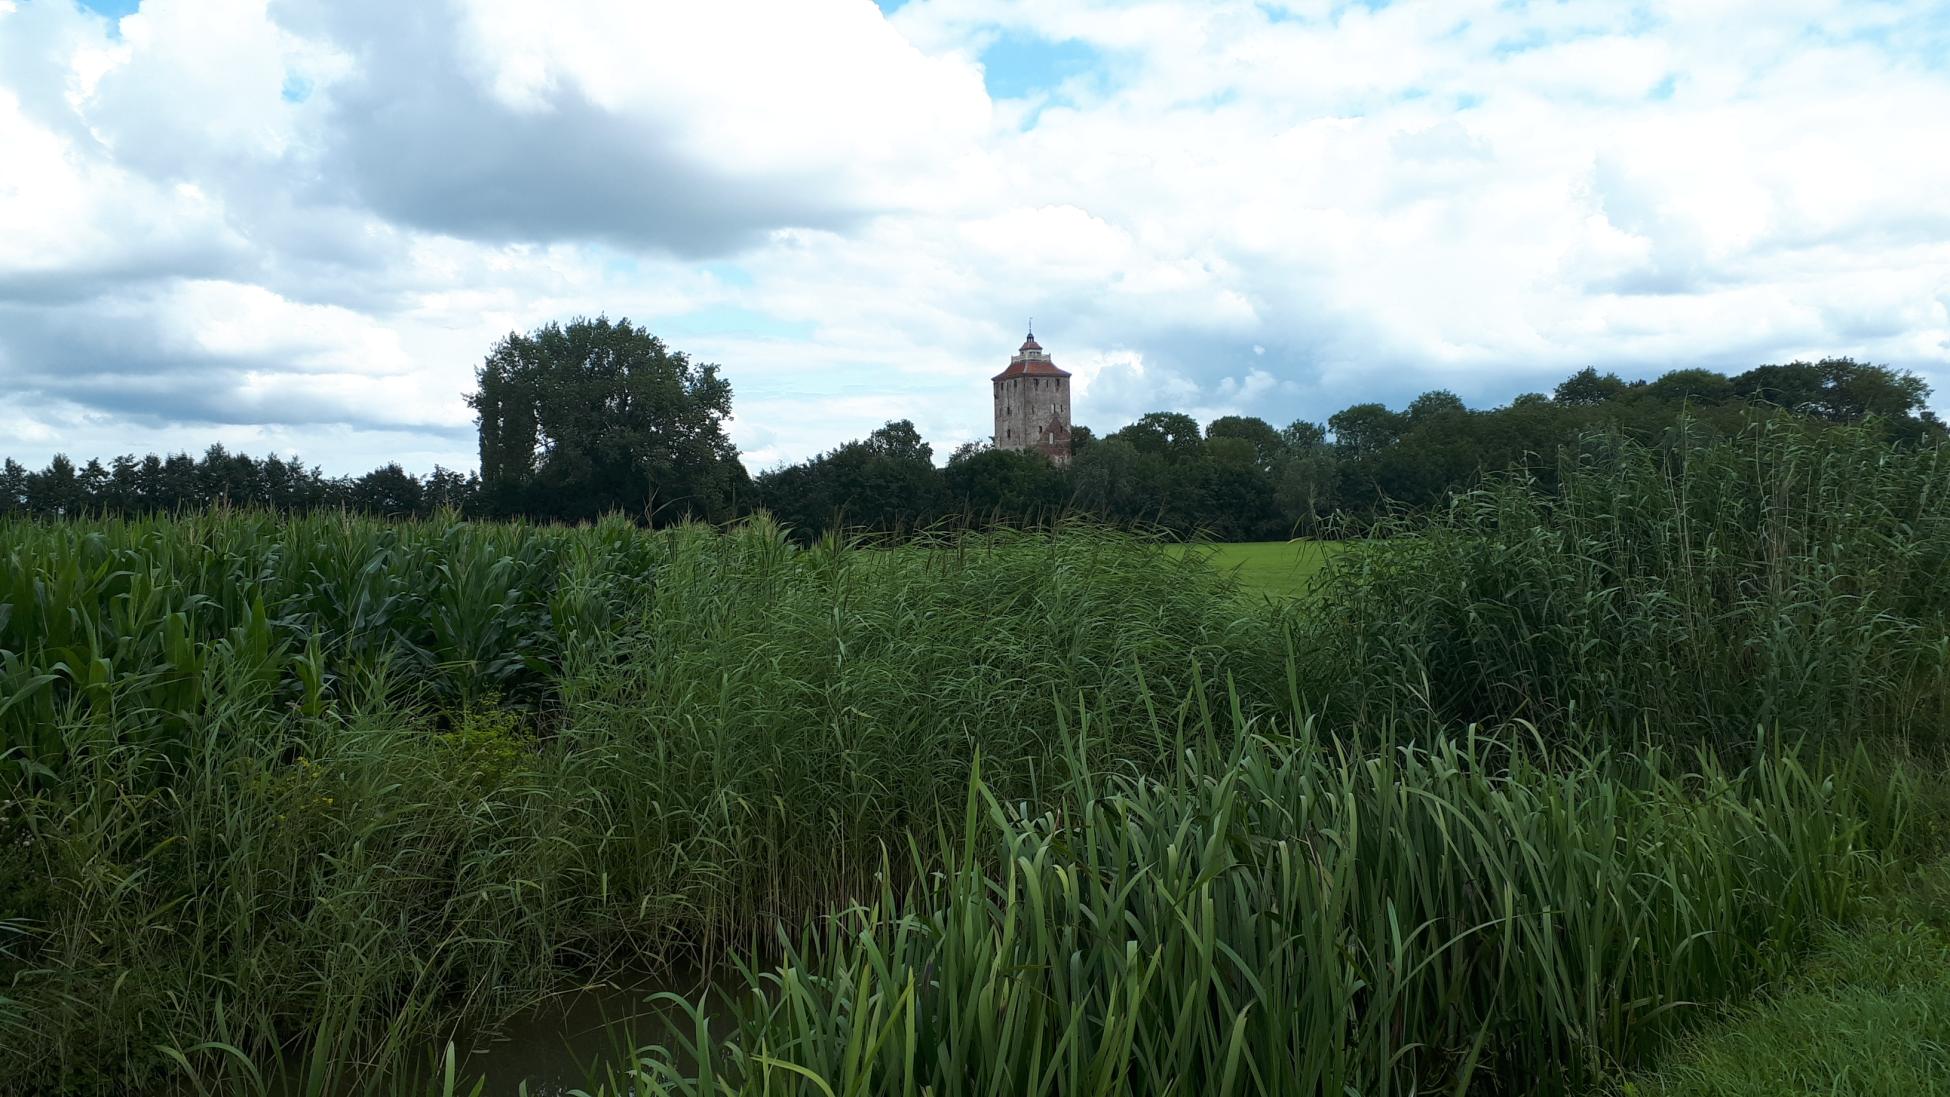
{"points": [[1030, 361], [1030, 367]]}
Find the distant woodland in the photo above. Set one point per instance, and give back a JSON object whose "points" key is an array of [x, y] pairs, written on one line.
{"points": [[597, 417]]}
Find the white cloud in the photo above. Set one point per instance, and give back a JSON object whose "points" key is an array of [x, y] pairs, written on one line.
{"points": [[303, 224], [838, 92], [194, 86]]}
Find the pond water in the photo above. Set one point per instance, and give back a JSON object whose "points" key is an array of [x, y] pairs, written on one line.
{"points": [[564, 1044], [556, 1048]]}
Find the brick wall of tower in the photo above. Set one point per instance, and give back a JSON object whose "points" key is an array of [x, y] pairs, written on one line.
{"points": [[1033, 412]]}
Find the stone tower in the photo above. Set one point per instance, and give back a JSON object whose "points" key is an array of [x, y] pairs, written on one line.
{"points": [[1032, 404]]}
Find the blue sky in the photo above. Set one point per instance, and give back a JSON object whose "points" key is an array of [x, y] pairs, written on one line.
{"points": [[299, 226], [1020, 65]]}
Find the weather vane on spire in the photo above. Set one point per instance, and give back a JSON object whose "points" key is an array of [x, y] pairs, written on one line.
{"points": [[1032, 327]]}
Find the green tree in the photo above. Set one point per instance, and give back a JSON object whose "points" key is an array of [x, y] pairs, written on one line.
{"points": [[1304, 490], [900, 441], [1796, 386], [13, 487], [450, 490], [1365, 429], [1853, 390], [93, 484], [886, 482], [389, 490], [1005, 485], [1433, 403], [1302, 437], [1692, 386], [1229, 497], [1105, 478], [124, 491], [55, 491], [176, 483], [1588, 388], [1268, 446], [582, 419], [1166, 433]]}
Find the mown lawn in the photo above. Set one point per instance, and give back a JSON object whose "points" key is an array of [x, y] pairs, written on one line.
{"points": [[1279, 568]]}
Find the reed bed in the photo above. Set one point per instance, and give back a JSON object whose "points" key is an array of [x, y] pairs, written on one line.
{"points": [[1296, 915], [1783, 581]]}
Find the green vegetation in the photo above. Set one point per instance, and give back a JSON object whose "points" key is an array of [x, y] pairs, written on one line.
{"points": [[1276, 568], [1518, 791], [1242, 479], [1301, 916], [1867, 1016], [1786, 582], [352, 783], [596, 417]]}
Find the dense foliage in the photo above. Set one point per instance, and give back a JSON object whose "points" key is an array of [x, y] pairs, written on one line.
{"points": [[598, 417], [128, 485], [1240, 479], [594, 418], [1288, 917], [1781, 581], [1413, 908], [327, 788], [342, 781]]}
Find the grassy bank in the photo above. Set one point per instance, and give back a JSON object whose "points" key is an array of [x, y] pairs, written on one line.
{"points": [[1868, 1015]]}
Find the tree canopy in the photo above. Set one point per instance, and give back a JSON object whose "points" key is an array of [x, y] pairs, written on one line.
{"points": [[594, 417], [591, 417]]}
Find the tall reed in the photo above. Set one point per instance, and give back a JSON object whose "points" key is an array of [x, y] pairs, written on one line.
{"points": [[1788, 581], [346, 786], [1300, 915]]}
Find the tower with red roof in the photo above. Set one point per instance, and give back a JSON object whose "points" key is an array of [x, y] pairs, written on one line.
{"points": [[1032, 404]]}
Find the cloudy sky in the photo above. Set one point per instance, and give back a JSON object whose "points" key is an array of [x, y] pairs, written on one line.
{"points": [[298, 226]]}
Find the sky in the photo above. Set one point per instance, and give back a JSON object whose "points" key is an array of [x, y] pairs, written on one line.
{"points": [[298, 226]]}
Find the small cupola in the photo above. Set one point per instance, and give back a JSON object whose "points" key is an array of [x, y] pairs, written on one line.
{"points": [[1031, 360]]}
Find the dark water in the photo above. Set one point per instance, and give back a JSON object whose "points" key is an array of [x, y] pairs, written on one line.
{"points": [[565, 1044], [568, 1043]]}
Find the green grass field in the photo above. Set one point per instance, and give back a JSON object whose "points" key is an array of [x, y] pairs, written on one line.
{"points": [[1279, 568]]}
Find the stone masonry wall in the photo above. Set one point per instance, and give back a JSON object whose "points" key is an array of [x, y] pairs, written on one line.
{"points": [[1025, 410]]}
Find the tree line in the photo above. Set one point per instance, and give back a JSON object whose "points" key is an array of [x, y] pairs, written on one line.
{"points": [[1242, 478], [130, 485], [595, 417]]}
